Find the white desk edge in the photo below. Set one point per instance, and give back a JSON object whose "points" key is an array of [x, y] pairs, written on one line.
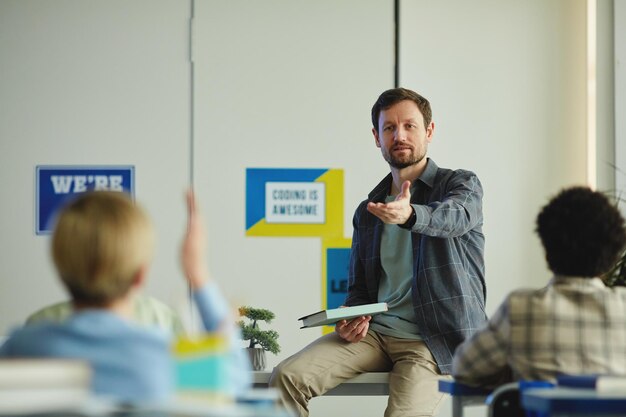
{"points": [[371, 383]]}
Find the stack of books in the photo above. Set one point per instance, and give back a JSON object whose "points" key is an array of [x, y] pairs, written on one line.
{"points": [[30, 386]]}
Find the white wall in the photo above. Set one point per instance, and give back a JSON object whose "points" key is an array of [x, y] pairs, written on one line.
{"points": [[605, 107], [88, 83], [294, 91], [283, 84], [620, 99], [507, 83]]}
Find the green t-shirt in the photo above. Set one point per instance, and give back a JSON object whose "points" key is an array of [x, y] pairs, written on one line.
{"points": [[147, 311], [394, 288]]}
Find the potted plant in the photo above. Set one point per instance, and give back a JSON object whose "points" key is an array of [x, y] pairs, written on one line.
{"points": [[260, 340]]}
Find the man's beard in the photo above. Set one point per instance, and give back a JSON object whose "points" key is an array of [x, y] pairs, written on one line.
{"points": [[399, 163]]}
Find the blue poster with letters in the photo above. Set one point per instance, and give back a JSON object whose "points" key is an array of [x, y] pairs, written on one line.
{"points": [[335, 273], [55, 185], [338, 262]]}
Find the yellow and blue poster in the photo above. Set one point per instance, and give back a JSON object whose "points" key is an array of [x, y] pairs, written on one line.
{"points": [[335, 270], [294, 202]]}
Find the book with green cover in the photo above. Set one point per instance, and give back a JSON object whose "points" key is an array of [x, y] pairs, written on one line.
{"points": [[332, 316]]}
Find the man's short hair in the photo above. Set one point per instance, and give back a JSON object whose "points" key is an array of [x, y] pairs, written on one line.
{"points": [[395, 95], [100, 242], [582, 233]]}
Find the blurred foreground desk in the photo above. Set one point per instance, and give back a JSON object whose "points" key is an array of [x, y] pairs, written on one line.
{"points": [[371, 383], [96, 408], [462, 395], [563, 402]]}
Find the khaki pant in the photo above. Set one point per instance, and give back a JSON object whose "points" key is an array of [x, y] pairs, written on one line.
{"points": [[328, 361]]}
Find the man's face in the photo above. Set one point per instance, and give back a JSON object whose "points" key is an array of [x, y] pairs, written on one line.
{"points": [[402, 137]]}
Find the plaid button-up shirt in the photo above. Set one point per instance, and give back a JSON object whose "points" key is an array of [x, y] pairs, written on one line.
{"points": [[573, 326], [448, 287]]}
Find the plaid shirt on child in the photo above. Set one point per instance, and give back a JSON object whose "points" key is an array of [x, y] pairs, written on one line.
{"points": [[573, 326]]}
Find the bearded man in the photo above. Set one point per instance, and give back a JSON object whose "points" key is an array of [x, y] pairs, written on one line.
{"points": [[417, 245]]}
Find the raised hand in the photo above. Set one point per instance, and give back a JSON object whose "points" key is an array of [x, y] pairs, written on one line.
{"points": [[194, 247]]}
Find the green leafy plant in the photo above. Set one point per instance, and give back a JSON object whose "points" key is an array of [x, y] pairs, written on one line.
{"points": [[616, 277], [266, 339]]}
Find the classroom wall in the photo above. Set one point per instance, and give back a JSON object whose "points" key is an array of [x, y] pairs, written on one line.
{"points": [[280, 84], [90, 83], [605, 97], [508, 84], [301, 100], [620, 99]]}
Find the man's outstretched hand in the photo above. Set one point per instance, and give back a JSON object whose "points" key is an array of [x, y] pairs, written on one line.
{"points": [[395, 212]]}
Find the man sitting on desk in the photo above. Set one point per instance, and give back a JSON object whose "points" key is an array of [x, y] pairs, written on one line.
{"points": [[574, 325], [418, 246]]}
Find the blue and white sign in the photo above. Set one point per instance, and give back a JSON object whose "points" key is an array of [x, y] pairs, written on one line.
{"points": [[58, 184], [295, 202]]}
